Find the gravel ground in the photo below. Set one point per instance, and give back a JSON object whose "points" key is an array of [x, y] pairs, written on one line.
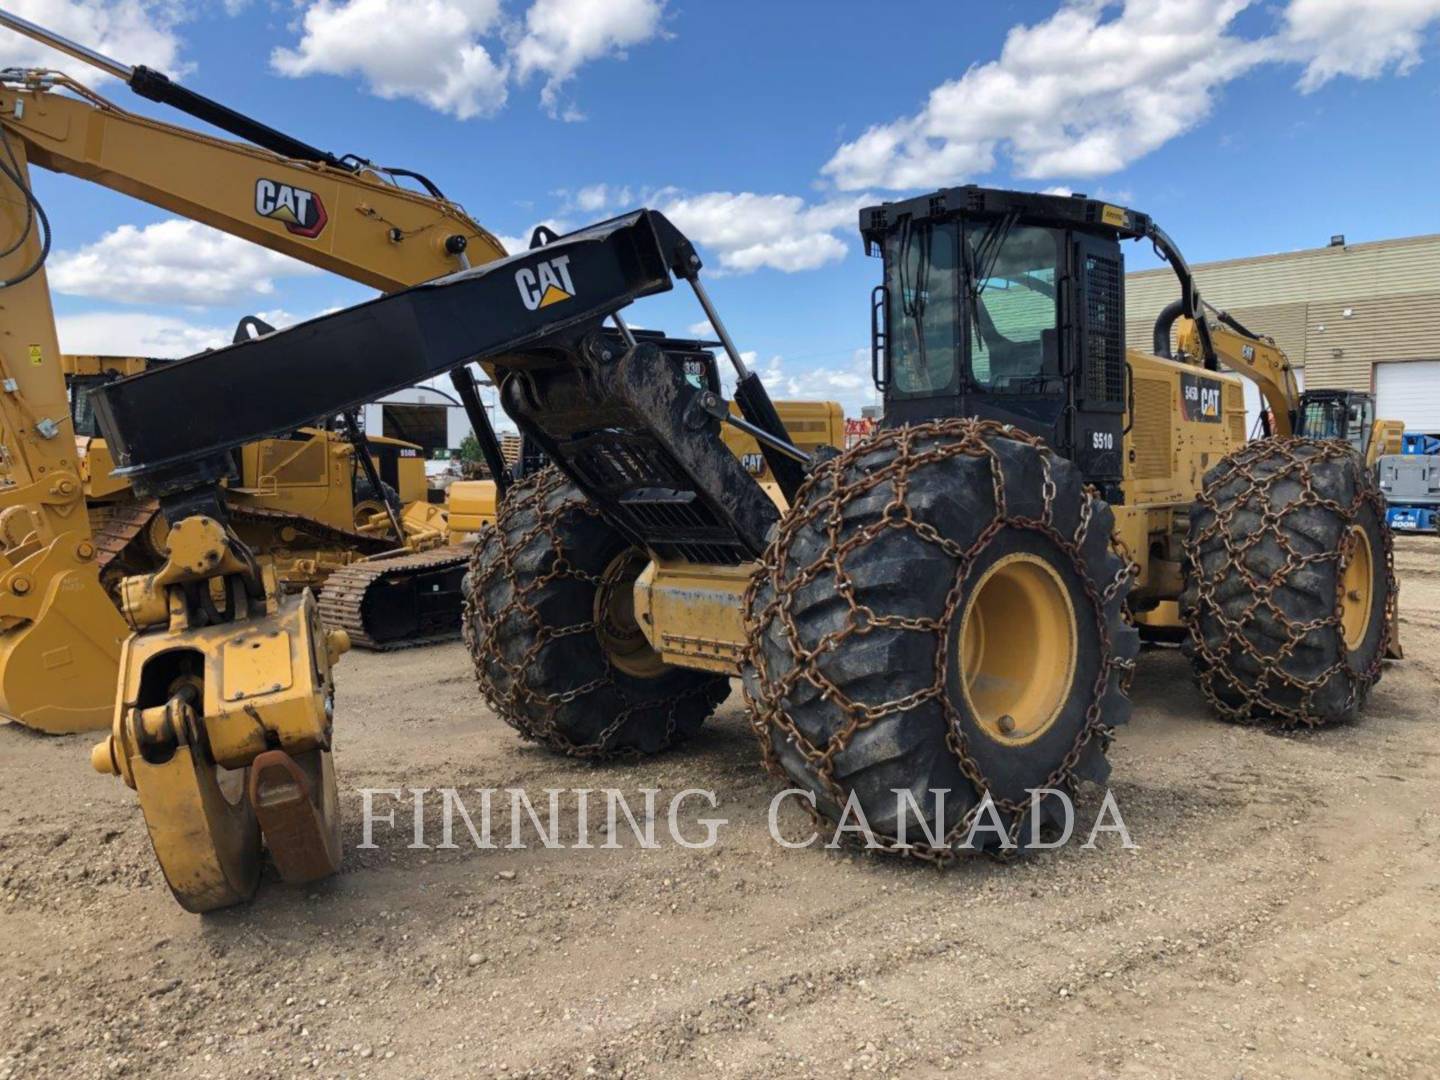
{"points": [[1278, 918]]}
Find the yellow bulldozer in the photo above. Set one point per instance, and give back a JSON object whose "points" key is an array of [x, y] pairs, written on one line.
{"points": [[304, 501], [929, 626]]}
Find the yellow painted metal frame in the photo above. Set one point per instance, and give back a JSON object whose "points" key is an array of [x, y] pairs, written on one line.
{"points": [[60, 634], [265, 686], [694, 616]]}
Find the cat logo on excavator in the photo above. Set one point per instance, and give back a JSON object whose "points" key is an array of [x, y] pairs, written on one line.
{"points": [[545, 283], [301, 211]]}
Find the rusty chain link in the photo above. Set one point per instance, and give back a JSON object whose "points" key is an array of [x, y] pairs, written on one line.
{"points": [[498, 556], [1294, 461], [820, 504]]}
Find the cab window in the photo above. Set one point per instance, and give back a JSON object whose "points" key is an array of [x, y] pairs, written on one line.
{"points": [[922, 283], [1014, 346]]}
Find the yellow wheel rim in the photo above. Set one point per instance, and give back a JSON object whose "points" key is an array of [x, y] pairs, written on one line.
{"points": [[1017, 649], [615, 623], [366, 509], [1357, 579]]}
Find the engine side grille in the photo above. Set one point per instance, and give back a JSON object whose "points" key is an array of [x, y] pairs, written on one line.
{"points": [[651, 500], [1104, 331], [1235, 410], [1150, 436]]}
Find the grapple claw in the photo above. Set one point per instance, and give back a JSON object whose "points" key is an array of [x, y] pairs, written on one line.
{"points": [[296, 803]]}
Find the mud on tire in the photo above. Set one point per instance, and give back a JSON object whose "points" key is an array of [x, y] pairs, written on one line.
{"points": [[537, 635], [870, 672], [1286, 623]]}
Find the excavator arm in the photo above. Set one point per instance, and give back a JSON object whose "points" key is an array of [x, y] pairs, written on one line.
{"points": [[60, 636], [341, 214], [353, 223], [1257, 358]]}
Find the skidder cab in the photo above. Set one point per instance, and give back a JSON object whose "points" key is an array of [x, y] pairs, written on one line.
{"points": [[1008, 307]]}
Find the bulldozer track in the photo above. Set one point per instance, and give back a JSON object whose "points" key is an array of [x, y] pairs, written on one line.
{"points": [[364, 543], [343, 598], [118, 526]]}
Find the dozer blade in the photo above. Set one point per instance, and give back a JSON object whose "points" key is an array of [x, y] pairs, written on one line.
{"points": [[204, 834], [297, 805]]}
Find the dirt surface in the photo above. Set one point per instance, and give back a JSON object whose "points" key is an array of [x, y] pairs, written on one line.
{"points": [[1280, 917]]}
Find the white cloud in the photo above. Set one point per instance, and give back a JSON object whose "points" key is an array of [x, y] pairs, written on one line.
{"points": [[460, 56], [1100, 84], [1359, 38], [560, 36], [427, 50], [171, 262], [847, 382], [1079, 94], [746, 231], [598, 198], [131, 333], [134, 333], [132, 31], [737, 232]]}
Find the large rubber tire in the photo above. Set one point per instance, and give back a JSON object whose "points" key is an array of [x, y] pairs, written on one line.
{"points": [[857, 620], [365, 501], [1271, 535], [532, 628]]}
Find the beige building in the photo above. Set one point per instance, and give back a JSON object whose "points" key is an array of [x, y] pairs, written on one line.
{"points": [[1357, 316]]}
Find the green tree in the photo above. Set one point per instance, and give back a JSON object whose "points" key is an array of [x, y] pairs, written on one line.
{"points": [[470, 450]]}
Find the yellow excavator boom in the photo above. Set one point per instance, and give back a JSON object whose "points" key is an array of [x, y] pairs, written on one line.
{"points": [[353, 223], [60, 636], [1258, 359]]}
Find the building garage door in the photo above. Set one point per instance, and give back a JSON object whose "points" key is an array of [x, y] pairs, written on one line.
{"points": [[1410, 392]]}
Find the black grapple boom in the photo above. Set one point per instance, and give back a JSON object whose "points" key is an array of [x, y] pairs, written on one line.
{"points": [[621, 413]]}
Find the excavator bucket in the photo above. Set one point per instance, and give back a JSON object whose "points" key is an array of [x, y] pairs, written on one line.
{"points": [[58, 662]]}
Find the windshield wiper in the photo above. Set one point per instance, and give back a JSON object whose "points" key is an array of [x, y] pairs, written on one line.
{"points": [[912, 300], [979, 265]]}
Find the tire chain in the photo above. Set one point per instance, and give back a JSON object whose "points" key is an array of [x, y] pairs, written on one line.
{"points": [[822, 499], [518, 704], [1298, 467]]}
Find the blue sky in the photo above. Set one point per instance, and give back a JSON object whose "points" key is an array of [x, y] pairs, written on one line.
{"points": [[761, 127]]}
